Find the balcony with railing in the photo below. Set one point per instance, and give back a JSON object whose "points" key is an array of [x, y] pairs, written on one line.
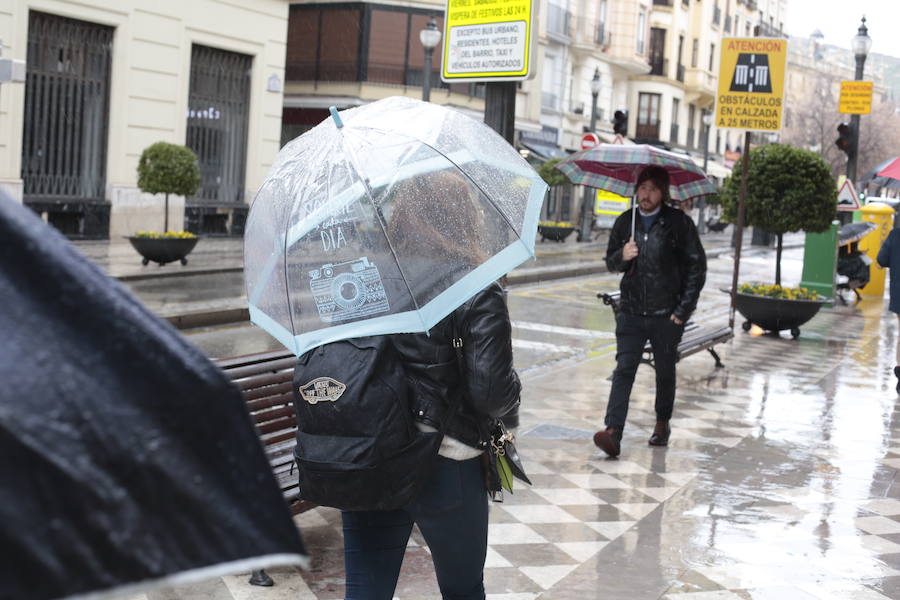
{"points": [[559, 22], [602, 37], [679, 73], [659, 66], [700, 80], [673, 133]]}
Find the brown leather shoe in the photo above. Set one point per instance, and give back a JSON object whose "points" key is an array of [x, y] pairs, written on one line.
{"points": [[661, 434], [609, 440]]}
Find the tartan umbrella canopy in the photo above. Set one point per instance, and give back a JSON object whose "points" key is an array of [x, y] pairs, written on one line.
{"points": [[615, 168]]}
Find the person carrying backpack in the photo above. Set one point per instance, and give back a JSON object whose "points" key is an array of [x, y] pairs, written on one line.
{"points": [[403, 422]]}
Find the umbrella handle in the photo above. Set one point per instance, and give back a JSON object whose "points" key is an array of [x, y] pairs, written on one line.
{"points": [[633, 215], [337, 118]]}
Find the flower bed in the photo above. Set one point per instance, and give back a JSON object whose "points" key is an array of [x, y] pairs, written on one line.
{"points": [[557, 231], [776, 308]]}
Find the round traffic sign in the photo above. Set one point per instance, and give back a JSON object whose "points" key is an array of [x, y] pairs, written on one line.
{"points": [[589, 141]]}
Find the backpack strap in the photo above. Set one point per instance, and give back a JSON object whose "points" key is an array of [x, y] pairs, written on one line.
{"points": [[456, 342]]}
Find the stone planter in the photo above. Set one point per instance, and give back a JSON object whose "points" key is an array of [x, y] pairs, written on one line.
{"points": [[163, 250], [776, 314], [554, 233]]}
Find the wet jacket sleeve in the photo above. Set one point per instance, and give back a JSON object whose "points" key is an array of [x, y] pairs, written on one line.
{"points": [[693, 261], [884, 253], [492, 384], [617, 240]]}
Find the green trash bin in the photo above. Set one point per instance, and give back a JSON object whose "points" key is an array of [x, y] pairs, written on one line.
{"points": [[820, 261]]}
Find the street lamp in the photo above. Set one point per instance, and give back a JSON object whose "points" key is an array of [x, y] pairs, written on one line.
{"points": [[430, 38], [707, 119], [587, 206], [860, 44]]}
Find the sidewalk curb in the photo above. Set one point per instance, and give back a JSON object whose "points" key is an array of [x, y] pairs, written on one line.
{"points": [[229, 316]]}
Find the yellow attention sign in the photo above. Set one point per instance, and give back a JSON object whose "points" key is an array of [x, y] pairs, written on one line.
{"points": [[751, 84], [487, 40], [856, 98], [608, 203]]}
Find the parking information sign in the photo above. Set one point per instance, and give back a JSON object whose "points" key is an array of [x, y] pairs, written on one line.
{"points": [[487, 40], [751, 84]]}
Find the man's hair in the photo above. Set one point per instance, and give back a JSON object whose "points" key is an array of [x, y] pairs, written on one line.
{"points": [[659, 176]]}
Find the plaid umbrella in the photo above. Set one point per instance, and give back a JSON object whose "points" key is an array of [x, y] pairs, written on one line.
{"points": [[892, 169], [615, 168]]}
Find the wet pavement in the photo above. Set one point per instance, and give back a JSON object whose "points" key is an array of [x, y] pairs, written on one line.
{"points": [[780, 480]]}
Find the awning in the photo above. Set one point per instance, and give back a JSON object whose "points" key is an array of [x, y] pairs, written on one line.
{"points": [[544, 151], [714, 169]]}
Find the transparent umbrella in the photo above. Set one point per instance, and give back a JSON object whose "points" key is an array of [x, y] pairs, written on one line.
{"points": [[384, 219]]}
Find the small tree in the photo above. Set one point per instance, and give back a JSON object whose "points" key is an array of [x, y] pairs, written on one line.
{"points": [[168, 169], [788, 189]]}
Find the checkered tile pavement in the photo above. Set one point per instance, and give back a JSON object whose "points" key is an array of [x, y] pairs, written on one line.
{"points": [[779, 483]]}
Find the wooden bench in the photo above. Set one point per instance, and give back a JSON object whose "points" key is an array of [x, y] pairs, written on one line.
{"points": [[265, 379], [695, 338]]}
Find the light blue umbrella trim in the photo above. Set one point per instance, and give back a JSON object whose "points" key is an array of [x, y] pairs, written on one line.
{"points": [[405, 322], [273, 328]]}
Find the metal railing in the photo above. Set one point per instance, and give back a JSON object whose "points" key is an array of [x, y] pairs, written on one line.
{"points": [[603, 37], [679, 73], [717, 15], [673, 133], [559, 21], [66, 109]]}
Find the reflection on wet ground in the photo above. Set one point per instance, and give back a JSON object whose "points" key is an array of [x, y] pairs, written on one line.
{"points": [[780, 481]]}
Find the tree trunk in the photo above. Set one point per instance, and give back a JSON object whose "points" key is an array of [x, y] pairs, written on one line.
{"points": [[166, 227], [778, 261]]}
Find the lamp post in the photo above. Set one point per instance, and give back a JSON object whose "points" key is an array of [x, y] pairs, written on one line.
{"points": [[860, 44], [587, 205], [707, 119], [430, 38]]}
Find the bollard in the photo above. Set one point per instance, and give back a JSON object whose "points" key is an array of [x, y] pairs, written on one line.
{"points": [[820, 261], [882, 215]]}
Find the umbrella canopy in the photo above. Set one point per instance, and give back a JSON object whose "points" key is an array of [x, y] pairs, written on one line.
{"points": [[892, 169], [872, 177], [127, 457], [384, 219], [853, 232], [615, 168]]}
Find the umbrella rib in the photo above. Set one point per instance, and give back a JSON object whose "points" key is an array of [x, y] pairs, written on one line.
{"points": [[381, 223], [474, 183]]}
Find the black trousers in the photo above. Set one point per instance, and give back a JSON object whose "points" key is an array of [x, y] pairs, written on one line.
{"points": [[632, 332]]}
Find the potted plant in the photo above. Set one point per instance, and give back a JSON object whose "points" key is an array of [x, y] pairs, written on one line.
{"points": [[556, 231], [788, 189], [555, 228], [166, 169]]}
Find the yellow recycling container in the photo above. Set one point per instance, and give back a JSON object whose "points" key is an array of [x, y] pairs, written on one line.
{"points": [[883, 216]]}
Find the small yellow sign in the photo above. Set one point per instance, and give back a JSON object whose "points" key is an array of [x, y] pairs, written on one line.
{"points": [[608, 203], [751, 84], [487, 40], [856, 98]]}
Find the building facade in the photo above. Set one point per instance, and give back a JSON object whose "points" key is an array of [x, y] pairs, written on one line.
{"points": [[108, 78]]}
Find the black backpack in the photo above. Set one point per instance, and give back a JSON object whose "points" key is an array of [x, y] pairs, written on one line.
{"points": [[358, 447]]}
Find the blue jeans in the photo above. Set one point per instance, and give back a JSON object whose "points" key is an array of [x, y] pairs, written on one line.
{"points": [[452, 514]]}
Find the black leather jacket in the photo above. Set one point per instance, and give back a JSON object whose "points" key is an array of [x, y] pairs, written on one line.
{"points": [[490, 385], [670, 269]]}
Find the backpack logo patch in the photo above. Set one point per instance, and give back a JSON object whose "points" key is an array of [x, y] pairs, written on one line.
{"points": [[322, 389]]}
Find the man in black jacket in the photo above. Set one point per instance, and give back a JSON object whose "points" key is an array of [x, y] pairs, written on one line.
{"points": [[664, 268]]}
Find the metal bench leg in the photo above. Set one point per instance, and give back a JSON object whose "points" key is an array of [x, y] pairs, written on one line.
{"points": [[261, 578], [719, 363]]}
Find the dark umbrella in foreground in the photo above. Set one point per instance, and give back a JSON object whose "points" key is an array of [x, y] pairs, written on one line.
{"points": [[128, 459], [853, 232]]}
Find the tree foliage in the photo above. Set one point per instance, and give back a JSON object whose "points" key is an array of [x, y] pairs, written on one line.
{"points": [[550, 174], [168, 169], [788, 189]]}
